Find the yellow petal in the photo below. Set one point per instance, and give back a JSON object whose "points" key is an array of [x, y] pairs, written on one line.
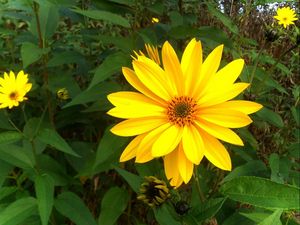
{"points": [[208, 69], [130, 150], [152, 78], [223, 133], [133, 105], [128, 98], [167, 141], [144, 151], [243, 106], [191, 63], [136, 126], [222, 94], [134, 81], [192, 143], [216, 153], [171, 169], [172, 68], [135, 112], [225, 117], [185, 166], [225, 76]]}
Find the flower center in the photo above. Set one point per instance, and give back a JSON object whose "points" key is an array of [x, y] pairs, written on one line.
{"points": [[284, 19], [13, 95], [181, 110]]}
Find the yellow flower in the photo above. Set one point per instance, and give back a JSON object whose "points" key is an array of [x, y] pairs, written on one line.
{"points": [[154, 20], [285, 16], [62, 94], [13, 89], [152, 53], [181, 110]]}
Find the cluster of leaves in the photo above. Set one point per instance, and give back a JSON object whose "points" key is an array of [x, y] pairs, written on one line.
{"points": [[58, 159]]}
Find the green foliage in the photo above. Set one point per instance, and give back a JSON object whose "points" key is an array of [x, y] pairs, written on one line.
{"points": [[59, 161]]}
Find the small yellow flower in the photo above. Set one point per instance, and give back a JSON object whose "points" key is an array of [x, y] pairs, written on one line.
{"points": [[152, 53], [154, 20], [182, 110], [13, 89], [285, 16], [153, 191], [62, 94]]}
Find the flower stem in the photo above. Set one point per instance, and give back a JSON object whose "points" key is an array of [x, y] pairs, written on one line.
{"points": [[12, 123], [196, 178]]}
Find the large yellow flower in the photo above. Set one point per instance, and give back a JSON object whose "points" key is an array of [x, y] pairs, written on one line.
{"points": [[285, 16], [13, 89], [181, 110]]}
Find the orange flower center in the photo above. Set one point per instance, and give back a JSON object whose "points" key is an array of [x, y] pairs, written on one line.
{"points": [[181, 110], [284, 19], [13, 95]]}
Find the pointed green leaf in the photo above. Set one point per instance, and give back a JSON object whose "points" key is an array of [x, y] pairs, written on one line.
{"points": [[164, 217], [104, 15], [113, 204], [133, 180], [262, 192], [18, 211], [16, 156], [44, 189], [10, 137], [31, 53], [208, 209], [52, 138], [112, 64], [271, 117], [72, 207]]}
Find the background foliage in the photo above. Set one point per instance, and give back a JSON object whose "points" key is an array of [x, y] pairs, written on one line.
{"points": [[58, 160]]}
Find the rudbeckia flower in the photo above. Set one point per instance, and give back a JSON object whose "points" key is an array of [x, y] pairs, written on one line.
{"points": [[152, 53], [181, 112], [285, 16], [153, 191], [13, 89]]}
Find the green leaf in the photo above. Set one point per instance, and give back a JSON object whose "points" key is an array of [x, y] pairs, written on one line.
{"points": [[104, 15], [296, 114], [95, 93], [236, 218], [18, 211], [273, 219], [133, 180], [264, 78], [65, 57], [72, 207], [264, 217], [250, 168], [271, 117], [223, 18], [113, 204], [280, 167], [111, 65], [44, 189], [262, 192], [48, 18], [16, 156], [208, 209], [8, 137], [5, 168], [104, 153], [30, 53], [52, 138], [6, 191], [164, 217]]}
